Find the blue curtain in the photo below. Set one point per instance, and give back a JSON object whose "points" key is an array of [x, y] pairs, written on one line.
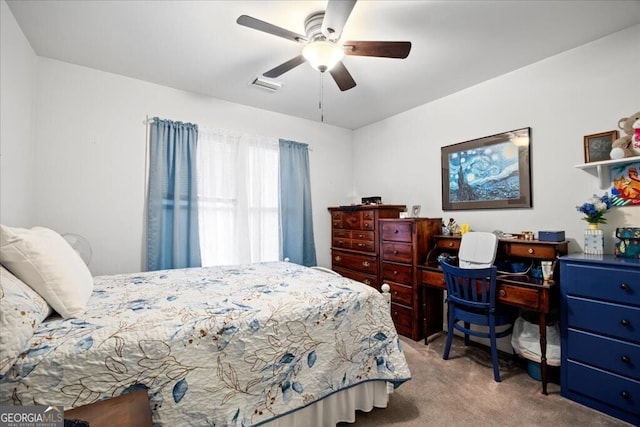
{"points": [[172, 208], [295, 204]]}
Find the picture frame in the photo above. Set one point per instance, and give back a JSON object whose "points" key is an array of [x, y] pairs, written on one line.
{"points": [[493, 172], [415, 211], [598, 146]]}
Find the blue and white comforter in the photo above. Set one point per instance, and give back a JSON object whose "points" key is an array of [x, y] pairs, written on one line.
{"points": [[224, 346]]}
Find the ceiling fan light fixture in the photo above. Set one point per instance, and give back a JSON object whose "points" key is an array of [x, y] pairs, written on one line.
{"points": [[322, 55]]}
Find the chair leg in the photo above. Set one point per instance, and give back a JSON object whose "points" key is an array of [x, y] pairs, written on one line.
{"points": [[450, 328], [494, 351], [466, 336]]}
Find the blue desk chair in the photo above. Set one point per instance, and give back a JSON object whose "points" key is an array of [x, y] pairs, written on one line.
{"points": [[471, 295]]}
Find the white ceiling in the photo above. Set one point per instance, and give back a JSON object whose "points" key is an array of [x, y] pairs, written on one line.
{"points": [[198, 47]]}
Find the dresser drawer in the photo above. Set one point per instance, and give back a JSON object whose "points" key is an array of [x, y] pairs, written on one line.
{"points": [[341, 233], [352, 220], [401, 315], [621, 285], [397, 273], [614, 320], [341, 242], [609, 354], [362, 245], [610, 389], [398, 252], [402, 294], [367, 279], [397, 231], [363, 235], [352, 261], [530, 250]]}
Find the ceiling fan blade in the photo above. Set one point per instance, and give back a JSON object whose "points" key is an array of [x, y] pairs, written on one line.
{"points": [[284, 67], [335, 17], [342, 77], [259, 25], [379, 49]]}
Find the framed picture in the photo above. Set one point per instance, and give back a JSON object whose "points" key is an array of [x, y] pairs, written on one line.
{"points": [[415, 211], [598, 146], [493, 172]]}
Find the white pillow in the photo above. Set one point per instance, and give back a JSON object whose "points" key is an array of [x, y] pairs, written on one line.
{"points": [[21, 312], [42, 259]]}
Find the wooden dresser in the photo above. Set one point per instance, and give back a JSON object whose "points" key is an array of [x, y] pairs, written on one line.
{"points": [[600, 333], [355, 240], [404, 244]]}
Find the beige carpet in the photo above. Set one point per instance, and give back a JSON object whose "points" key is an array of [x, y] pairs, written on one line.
{"points": [[461, 392]]}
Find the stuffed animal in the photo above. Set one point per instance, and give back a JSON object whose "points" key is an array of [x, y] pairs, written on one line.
{"points": [[627, 145]]}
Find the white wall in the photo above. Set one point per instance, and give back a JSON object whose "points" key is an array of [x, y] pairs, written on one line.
{"points": [[18, 69], [91, 155], [580, 92]]}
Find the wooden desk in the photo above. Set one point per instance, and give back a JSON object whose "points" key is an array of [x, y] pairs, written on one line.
{"points": [[522, 291]]}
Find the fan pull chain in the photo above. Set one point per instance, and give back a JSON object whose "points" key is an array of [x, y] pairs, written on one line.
{"points": [[321, 101]]}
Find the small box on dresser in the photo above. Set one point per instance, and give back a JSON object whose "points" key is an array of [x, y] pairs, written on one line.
{"points": [[600, 333]]}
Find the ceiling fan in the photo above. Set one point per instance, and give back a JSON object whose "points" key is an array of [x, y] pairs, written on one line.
{"points": [[322, 50]]}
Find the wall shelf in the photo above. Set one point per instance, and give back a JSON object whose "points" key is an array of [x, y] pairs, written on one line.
{"points": [[601, 169]]}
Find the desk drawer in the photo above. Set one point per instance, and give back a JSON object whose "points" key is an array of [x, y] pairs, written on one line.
{"points": [[398, 252], [401, 294], [606, 353], [433, 278], [530, 250], [448, 243], [614, 320], [397, 231], [352, 261], [614, 390], [397, 273], [621, 285], [519, 296]]}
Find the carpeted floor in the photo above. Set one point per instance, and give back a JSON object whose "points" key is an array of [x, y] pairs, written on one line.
{"points": [[461, 392]]}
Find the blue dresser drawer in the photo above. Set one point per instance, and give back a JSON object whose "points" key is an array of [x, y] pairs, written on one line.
{"points": [[610, 354], [613, 320], [610, 389], [621, 285]]}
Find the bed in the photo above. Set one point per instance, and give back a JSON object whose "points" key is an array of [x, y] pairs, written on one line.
{"points": [[261, 344]]}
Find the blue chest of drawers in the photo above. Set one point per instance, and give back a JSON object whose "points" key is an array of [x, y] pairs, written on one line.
{"points": [[600, 333]]}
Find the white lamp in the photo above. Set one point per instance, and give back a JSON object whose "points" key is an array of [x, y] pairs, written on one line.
{"points": [[322, 55]]}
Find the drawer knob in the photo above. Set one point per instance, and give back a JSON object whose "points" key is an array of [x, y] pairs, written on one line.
{"points": [[502, 292], [395, 252], [625, 287], [367, 282], [366, 264], [625, 323], [338, 258], [395, 313], [361, 236], [530, 250], [396, 231], [450, 244], [625, 359], [395, 293], [625, 394], [361, 244], [395, 272]]}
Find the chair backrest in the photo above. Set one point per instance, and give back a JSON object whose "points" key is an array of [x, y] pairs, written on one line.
{"points": [[473, 288], [477, 249]]}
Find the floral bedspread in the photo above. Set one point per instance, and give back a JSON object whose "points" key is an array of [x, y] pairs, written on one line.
{"points": [[224, 346]]}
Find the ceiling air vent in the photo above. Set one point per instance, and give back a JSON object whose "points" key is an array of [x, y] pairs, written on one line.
{"points": [[269, 85]]}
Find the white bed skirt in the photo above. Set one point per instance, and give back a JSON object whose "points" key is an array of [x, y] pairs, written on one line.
{"points": [[339, 407]]}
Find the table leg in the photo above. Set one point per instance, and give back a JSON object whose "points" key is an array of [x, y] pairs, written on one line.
{"points": [[543, 350]]}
